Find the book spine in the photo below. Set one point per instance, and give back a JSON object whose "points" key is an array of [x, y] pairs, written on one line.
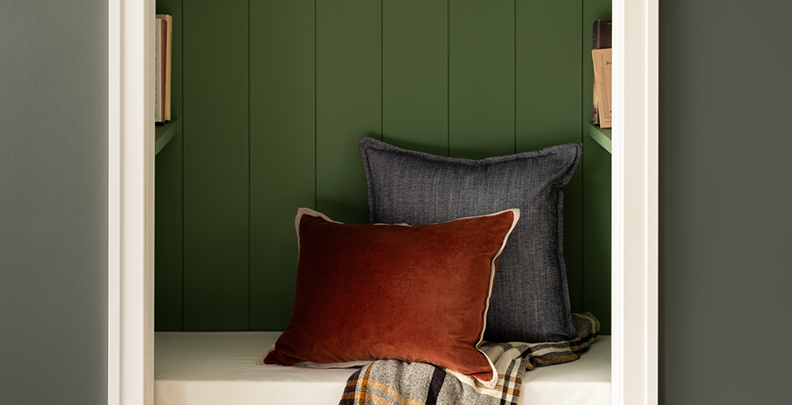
{"points": [[602, 34], [601, 59], [168, 65], [602, 39], [163, 65], [157, 73]]}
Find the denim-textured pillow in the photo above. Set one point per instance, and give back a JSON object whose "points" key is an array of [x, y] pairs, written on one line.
{"points": [[530, 297]]}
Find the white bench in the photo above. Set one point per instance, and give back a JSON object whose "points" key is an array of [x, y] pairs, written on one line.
{"points": [[214, 368]]}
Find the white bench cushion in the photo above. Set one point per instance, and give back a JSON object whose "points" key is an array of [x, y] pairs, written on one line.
{"points": [[213, 368]]}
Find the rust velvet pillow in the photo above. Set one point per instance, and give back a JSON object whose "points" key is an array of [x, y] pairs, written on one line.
{"points": [[411, 293]]}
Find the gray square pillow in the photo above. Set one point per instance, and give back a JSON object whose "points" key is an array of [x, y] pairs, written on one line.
{"points": [[530, 297]]}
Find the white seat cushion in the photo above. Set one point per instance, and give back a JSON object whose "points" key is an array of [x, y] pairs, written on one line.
{"points": [[213, 368]]}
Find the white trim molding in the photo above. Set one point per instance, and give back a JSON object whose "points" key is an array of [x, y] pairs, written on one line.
{"points": [[634, 201], [130, 323]]}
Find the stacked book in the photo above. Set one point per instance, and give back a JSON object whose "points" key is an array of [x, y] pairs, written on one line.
{"points": [[601, 55], [163, 33]]}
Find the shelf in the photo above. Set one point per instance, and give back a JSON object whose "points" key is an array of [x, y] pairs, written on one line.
{"points": [[164, 133], [601, 135]]}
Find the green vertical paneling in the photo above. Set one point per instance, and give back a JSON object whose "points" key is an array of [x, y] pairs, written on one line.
{"points": [[216, 165], [548, 73], [168, 237], [596, 190], [548, 105], [348, 102], [574, 238], [282, 170], [168, 294], [597, 233], [481, 78], [277, 94], [415, 74]]}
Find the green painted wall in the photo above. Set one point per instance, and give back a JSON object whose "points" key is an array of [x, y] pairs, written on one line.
{"points": [[596, 178], [275, 95], [168, 210]]}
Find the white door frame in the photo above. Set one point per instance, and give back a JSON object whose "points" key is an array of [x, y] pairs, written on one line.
{"points": [[634, 203], [130, 323]]}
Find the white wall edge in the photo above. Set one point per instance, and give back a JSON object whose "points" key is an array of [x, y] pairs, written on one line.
{"points": [[635, 202], [114, 204], [130, 323]]}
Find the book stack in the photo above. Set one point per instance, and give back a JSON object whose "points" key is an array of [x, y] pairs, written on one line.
{"points": [[601, 55], [163, 40]]}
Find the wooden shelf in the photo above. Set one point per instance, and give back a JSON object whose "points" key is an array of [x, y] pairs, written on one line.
{"points": [[164, 133], [601, 135]]}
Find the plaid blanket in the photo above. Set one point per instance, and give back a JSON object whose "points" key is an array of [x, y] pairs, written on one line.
{"points": [[386, 382]]}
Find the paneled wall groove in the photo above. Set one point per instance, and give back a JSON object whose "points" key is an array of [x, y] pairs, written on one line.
{"points": [[216, 165], [249, 230], [448, 78], [283, 154], [278, 93], [516, 27], [316, 129]]}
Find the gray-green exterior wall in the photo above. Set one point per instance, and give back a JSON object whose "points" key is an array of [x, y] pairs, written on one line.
{"points": [[53, 202], [725, 219]]}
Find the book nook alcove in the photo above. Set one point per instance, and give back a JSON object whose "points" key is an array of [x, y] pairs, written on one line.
{"points": [[269, 102]]}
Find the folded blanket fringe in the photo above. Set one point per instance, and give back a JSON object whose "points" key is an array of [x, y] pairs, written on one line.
{"points": [[394, 382]]}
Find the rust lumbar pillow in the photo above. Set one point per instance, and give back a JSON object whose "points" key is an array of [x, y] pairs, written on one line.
{"points": [[411, 293]]}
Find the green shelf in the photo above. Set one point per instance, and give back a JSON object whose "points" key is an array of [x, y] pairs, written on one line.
{"points": [[164, 133], [601, 135]]}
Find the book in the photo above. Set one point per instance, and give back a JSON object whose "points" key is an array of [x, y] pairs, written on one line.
{"points": [[157, 72], [603, 33], [162, 51], [602, 59], [602, 39], [167, 32]]}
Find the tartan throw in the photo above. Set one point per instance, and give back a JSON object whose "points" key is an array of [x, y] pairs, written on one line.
{"points": [[386, 382]]}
